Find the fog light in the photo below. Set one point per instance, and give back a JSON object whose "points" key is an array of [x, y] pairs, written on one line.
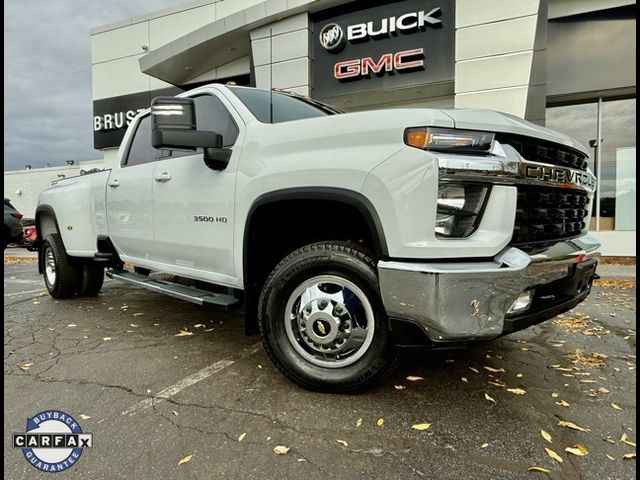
{"points": [[521, 303], [459, 209]]}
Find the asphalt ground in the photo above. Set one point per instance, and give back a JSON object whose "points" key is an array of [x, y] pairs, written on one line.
{"points": [[155, 398]]}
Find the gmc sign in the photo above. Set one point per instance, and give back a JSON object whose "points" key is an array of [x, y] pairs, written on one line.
{"points": [[362, 49]]}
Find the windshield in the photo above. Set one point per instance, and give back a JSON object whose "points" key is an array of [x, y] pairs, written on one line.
{"points": [[286, 106]]}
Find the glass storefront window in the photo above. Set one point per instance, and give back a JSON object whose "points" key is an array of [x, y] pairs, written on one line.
{"points": [[617, 156], [580, 122], [618, 165]]}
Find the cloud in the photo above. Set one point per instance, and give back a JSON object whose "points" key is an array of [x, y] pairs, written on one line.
{"points": [[47, 77]]}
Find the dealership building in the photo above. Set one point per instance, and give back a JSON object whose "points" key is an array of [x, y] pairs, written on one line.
{"points": [[566, 64]]}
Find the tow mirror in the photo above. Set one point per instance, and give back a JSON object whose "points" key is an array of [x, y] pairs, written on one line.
{"points": [[173, 125]]}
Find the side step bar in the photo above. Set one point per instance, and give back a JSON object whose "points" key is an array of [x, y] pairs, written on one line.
{"points": [[183, 292]]}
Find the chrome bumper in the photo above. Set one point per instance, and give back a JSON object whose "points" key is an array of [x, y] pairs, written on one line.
{"points": [[454, 301]]}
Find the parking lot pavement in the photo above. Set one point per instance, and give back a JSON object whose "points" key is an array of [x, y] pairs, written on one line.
{"points": [[154, 398]]}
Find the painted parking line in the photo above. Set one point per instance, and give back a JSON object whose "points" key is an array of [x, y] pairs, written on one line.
{"points": [[191, 380], [25, 292]]}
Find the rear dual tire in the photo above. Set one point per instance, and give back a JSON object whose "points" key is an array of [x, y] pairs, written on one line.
{"points": [[64, 278]]}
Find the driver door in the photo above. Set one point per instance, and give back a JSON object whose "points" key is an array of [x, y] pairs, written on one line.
{"points": [[193, 205]]}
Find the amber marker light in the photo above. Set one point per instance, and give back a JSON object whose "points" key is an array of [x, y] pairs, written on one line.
{"points": [[417, 137]]}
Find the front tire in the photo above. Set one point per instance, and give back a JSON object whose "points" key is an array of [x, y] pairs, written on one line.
{"points": [[61, 277], [322, 321]]}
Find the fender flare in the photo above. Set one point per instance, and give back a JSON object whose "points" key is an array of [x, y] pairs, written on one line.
{"points": [[349, 197], [46, 209]]}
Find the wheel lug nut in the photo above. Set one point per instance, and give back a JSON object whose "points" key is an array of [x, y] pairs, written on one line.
{"points": [[322, 304]]}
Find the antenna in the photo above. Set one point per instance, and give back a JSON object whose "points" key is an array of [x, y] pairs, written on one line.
{"points": [[270, 75]]}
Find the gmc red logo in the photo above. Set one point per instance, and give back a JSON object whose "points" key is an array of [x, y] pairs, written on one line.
{"points": [[363, 67]]}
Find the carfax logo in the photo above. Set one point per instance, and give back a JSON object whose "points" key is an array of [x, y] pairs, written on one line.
{"points": [[53, 441]]}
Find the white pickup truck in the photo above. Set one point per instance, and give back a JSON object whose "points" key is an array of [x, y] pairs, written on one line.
{"points": [[348, 236]]}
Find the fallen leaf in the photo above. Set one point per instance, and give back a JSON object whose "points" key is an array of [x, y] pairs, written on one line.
{"points": [[554, 395], [380, 422], [614, 406], [628, 456], [497, 383], [624, 439], [72, 325], [578, 450], [494, 370], [280, 450], [484, 445], [358, 423], [174, 412], [603, 390], [489, 398], [413, 378], [475, 370], [199, 325], [26, 366], [609, 456], [538, 469], [553, 455], [399, 387], [517, 391], [343, 443], [572, 425], [519, 375], [609, 439], [464, 379], [84, 417], [138, 314], [546, 436], [242, 435], [588, 381], [183, 333], [302, 459], [562, 403], [134, 325], [185, 459], [421, 426], [106, 339]]}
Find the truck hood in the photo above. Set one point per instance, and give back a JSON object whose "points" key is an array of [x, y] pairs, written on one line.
{"points": [[491, 121]]}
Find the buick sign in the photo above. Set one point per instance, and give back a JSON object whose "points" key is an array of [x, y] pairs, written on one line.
{"points": [[332, 37]]}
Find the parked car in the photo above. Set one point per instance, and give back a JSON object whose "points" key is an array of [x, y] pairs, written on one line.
{"points": [[29, 235], [352, 235], [12, 226]]}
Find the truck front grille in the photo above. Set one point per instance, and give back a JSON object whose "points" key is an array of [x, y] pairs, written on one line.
{"points": [[549, 214], [536, 150]]}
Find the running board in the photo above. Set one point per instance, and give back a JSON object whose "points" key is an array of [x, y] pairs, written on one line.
{"points": [[183, 292]]}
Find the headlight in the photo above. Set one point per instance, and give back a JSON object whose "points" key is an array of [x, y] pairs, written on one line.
{"points": [[459, 208], [449, 140]]}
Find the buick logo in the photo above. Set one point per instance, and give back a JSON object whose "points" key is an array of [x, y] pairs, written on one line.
{"points": [[332, 37]]}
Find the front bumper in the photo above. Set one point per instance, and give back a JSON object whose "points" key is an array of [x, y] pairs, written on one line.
{"points": [[464, 301]]}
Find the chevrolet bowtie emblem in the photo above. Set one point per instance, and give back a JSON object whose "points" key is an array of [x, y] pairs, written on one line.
{"points": [[321, 328]]}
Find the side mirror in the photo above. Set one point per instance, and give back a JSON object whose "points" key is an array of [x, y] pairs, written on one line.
{"points": [[173, 125]]}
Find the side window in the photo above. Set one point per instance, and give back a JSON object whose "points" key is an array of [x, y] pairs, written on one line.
{"points": [[212, 115], [140, 150]]}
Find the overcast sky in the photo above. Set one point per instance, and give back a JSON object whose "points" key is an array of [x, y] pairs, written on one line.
{"points": [[47, 76]]}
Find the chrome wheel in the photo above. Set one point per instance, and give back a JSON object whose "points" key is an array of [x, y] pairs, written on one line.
{"points": [[329, 321], [50, 266]]}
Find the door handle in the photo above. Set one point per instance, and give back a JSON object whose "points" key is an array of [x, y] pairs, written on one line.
{"points": [[114, 183], [162, 177]]}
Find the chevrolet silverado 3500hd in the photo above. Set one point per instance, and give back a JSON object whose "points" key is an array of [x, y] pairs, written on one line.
{"points": [[347, 235]]}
